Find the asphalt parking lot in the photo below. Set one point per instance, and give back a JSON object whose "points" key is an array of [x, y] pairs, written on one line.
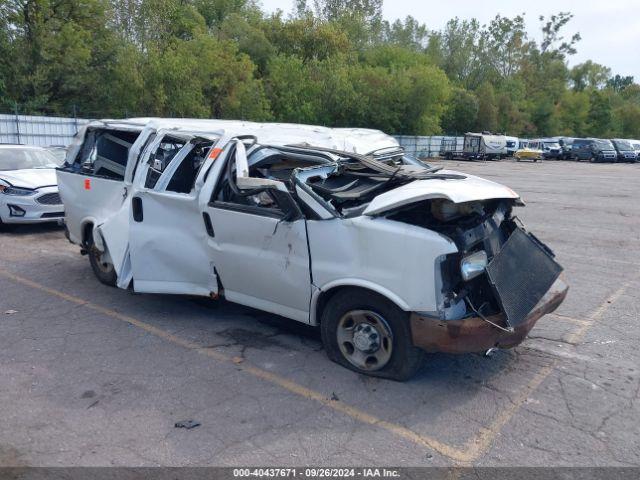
{"points": [[91, 375]]}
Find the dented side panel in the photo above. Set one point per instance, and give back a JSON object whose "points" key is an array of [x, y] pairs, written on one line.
{"points": [[399, 261], [263, 262]]}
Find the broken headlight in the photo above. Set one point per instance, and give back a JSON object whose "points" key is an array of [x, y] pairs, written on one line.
{"points": [[473, 265]]}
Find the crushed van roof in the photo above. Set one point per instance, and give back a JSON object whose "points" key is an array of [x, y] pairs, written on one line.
{"points": [[356, 140]]}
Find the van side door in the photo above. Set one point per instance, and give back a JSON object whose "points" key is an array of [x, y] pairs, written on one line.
{"points": [[168, 239], [257, 241]]}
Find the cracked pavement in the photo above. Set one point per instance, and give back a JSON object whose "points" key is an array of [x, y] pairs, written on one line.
{"points": [[80, 386]]}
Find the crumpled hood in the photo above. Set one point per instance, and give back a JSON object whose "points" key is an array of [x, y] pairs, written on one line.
{"points": [[469, 189], [30, 177]]}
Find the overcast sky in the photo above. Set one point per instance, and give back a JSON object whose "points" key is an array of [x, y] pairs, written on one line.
{"points": [[610, 29]]}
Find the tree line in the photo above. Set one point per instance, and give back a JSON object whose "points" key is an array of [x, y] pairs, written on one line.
{"points": [[330, 62]]}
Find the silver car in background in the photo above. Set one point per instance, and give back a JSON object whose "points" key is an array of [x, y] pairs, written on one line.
{"points": [[28, 186]]}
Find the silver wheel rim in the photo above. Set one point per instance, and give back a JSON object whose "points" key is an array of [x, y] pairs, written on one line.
{"points": [[365, 339], [104, 267]]}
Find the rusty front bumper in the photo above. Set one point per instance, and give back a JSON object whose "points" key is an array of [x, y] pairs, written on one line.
{"points": [[473, 334]]}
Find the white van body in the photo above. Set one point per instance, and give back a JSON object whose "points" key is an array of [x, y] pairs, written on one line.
{"points": [[295, 221], [512, 144], [95, 200]]}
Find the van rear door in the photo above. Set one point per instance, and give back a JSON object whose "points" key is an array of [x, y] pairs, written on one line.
{"points": [[91, 182]]}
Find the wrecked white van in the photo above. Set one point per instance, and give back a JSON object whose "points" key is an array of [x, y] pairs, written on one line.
{"points": [[390, 257]]}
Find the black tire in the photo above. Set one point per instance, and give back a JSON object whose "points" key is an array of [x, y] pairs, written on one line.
{"points": [[405, 360], [104, 272], [6, 227]]}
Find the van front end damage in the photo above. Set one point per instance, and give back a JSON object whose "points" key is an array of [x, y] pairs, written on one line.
{"points": [[495, 288], [475, 334]]}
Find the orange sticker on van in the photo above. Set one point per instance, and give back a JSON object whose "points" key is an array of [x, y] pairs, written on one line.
{"points": [[213, 154]]}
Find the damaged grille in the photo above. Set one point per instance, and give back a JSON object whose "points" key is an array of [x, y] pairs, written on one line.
{"points": [[49, 199], [520, 274]]}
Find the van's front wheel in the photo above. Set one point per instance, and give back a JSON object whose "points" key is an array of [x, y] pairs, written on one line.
{"points": [[102, 269], [368, 334]]}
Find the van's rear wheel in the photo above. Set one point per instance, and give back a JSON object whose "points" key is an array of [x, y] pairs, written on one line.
{"points": [[368, 334], [102, 269]]}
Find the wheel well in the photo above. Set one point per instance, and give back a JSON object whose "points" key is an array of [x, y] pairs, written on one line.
{"points": [[326, 296], [87, 232]]}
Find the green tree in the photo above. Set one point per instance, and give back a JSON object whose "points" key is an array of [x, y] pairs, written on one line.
{"points": [[249, 38], [506, 44], [215, 12], [293, 92], [511, 97], [332, 62], [461, 114], [619, 83], [589, 75], [361, 20], [306, 38], [409, 34], [628, 119], [553, 40], [57, 53], [487, 119], [574, 113], [600, 115], [460, 51]]}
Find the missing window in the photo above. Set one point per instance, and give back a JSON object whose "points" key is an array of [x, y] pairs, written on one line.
{"points": [[104, 153]]}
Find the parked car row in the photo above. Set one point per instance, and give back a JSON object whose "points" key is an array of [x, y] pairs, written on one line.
{"points": [[489, 146], [590, 149]]}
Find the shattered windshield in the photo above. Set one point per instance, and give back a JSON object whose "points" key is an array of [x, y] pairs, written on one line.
{"points": [[354, 180], [21, 159]]}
